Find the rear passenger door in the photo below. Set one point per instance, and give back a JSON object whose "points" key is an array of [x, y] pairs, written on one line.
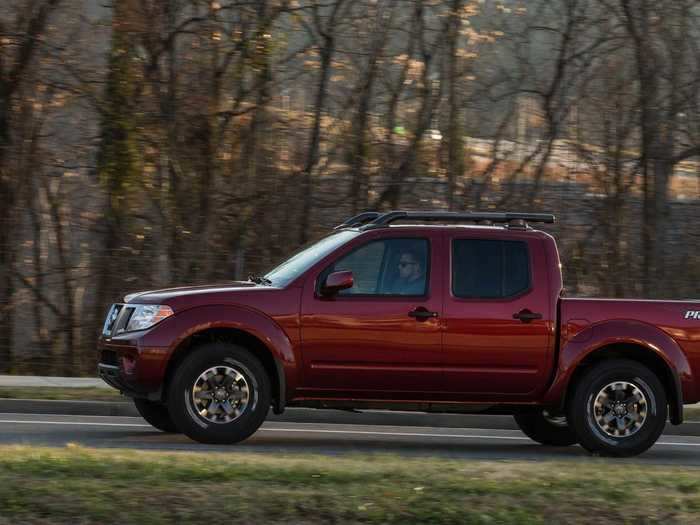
{"points": [[498, 316]]}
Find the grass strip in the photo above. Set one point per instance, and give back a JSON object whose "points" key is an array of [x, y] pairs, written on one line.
{"points": [[64, 394], [76, 484]]}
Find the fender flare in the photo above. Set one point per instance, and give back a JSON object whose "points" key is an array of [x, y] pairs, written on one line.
{"points": [[597, 337], [199, 319]]}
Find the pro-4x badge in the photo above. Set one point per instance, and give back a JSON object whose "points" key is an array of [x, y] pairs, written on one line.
{"points": [[693, 314]]}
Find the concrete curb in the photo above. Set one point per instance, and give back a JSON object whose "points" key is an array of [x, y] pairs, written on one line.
{"points": [[301, 415], [68, 408], [53, 382]]}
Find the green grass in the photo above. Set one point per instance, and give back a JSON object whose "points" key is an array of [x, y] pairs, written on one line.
{"points": [[71, 394], [75, 484]]}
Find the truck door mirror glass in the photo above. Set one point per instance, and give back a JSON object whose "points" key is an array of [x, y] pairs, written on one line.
{"points": [[336, 282]]}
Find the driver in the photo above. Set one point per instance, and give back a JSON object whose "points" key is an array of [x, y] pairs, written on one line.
{"points": [[411, 280]]}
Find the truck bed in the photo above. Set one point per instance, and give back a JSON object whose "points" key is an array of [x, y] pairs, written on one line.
{"points": [[664, 322]]}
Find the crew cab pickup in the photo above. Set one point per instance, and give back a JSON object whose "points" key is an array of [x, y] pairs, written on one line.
{"points": [[424, 311]]}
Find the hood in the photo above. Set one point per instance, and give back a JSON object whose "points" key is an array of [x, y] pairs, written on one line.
{"points": [[164, 295]]}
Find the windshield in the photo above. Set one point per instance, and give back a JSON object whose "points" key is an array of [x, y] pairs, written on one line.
{"points": [[304, 259]]}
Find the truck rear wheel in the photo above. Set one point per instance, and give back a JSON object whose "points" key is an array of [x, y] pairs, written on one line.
{"points": [[220, 394], [618, 408], [546, 429], [156, 414]]}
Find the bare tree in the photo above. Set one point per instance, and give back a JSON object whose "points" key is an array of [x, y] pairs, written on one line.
{"points": [[21, 28], [661, 38], [181, 141], [322, 29]]}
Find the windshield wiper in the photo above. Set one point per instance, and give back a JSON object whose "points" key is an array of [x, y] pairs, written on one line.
{"points": [[259, 279]]}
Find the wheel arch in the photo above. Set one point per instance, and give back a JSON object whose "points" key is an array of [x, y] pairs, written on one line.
{"points": [[640, 354], [237, 325], [632, 340], [239, 337]]}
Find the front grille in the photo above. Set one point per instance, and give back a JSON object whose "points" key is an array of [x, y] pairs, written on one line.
{"points": [[112, 317], [117, 319]]}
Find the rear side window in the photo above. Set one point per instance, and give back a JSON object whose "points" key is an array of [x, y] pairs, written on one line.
{"points": [[489, 269]]}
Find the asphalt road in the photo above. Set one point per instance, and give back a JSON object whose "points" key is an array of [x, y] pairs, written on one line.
{"points": [[281, 437]]}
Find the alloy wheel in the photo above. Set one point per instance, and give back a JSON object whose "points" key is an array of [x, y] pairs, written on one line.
{"points": [[620, 409], [221, 394]]}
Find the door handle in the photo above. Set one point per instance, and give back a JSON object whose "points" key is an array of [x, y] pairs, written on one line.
{"points": [[421, 314], [526, 316]]}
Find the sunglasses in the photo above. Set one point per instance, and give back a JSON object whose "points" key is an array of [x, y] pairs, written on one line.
{"points": [[403, 264]]}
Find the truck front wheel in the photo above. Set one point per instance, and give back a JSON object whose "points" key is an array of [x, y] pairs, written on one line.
{"points": [[546, 429], [618, 408], [220, 394]]}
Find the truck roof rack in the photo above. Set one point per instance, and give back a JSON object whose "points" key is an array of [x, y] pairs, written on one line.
{"points": [[516, 221], [359, 220]]}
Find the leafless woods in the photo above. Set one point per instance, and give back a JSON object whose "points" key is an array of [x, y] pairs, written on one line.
{"points": [[147, 143]]}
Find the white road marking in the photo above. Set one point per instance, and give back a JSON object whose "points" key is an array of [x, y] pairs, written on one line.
{"points": [[419, 434], [321, 431], [401, 434]]}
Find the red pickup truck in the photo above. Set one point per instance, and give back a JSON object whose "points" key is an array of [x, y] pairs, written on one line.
{"points": [[425, 311]]}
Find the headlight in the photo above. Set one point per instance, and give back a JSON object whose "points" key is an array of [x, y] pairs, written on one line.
{"points": [[146, 315]]}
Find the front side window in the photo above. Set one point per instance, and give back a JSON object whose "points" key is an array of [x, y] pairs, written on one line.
{"points": [[387, 267], [489, 269]]}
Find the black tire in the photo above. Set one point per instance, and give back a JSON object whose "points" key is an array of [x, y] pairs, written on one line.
{"points": [[588, 423], [196, 418], [156, 414], [546, 430]]}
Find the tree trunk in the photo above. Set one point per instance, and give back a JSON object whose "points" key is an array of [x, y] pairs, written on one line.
{"points": [[327, 50], [116, 161], [455, 144], [359, 150]]}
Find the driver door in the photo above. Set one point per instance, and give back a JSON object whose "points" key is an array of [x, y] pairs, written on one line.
{"points": [[367, 341]]}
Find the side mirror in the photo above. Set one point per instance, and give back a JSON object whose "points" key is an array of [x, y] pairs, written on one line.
{"points": [[336, 282]]}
